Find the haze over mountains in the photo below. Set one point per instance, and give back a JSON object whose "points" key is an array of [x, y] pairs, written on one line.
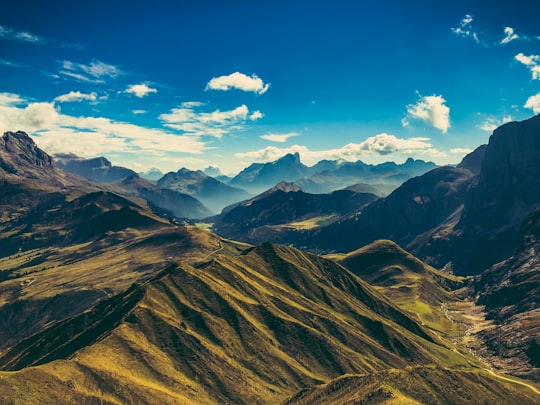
{"points": [[105, 297]]}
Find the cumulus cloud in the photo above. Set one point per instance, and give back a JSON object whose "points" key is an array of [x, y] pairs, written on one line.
{"points": [[431, 110], [380, 145], [94, 72], [532, 62], [88, 136], [491, 123], [238, 81], [190, 120], [533, 103], [510, 35], [465, 29], [23, 36], [76, 96], [279, 137], [140, 90]]}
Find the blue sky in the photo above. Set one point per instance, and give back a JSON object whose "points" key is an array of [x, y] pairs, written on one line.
{"points": [[173, 84]]}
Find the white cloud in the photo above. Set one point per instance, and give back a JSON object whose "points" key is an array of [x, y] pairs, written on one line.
{"points": [[431, 110], [465, 29], [140, 90], [10, 99], [24, 36], [139, 112], [461, 151], [90, 136], [95, 72], [76, 96], [491, 123], [510, 35], [216, 123], [376, 146], [279, 137], [238, 81], [533, 102], [532, 62], [256, 115]]}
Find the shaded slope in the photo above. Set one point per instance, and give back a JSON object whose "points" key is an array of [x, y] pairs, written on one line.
{"points": [[277, 214], [180, 205], [255, 328], [418, 207], [510, 291], [96, 169]]}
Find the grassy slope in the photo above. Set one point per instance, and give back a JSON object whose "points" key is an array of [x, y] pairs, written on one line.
{"points": [[248, 329], [74, 253], [408, 282], [411, 386]]}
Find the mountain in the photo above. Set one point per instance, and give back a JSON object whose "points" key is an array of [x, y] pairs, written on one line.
{"points": [[419, 207], [281, 211], [152, 174], [211, 192], [463, 218], [510, 291], [178, 204], [327, 176], [104, 301], [21, 161], [269, 324], [259, 177], [96, 169], [67, 244]]}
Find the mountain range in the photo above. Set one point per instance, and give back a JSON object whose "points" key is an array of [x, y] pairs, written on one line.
{"points": [[211, 192], [106, 298], [326, 175]]}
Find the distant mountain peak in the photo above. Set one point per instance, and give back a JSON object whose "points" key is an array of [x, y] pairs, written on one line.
{"points": [[290, 157], [286, 187]]}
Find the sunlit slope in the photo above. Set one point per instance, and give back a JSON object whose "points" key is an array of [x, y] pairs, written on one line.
{"points": [[413, 386], [254, 328], [407, 281]]}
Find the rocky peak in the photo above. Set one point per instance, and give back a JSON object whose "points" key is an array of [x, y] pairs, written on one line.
{"points": [[20, 154]]}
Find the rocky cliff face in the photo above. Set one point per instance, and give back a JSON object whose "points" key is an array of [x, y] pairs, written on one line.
{"points": [[510, 290], [20, 155], [505, 191]]}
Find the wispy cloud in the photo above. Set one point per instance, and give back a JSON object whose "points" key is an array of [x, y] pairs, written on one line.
{"points": [[238, 81], [94, 72], [491, 123], [140, 90], [76, 96], [533, 103], [4, 62], [465, 28], [431, 110], [379, 145], [23, 36], [279, 137], [510, 35], [189, 119], [532, 62]]}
